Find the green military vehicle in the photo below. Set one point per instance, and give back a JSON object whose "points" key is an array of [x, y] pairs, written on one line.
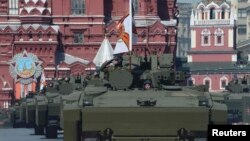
{"points": [[41, 102], [48, 106], [238, 108], [30, 110], [238, 101], [161, 72], [142, 114], [41, 107], [147, 72], [23, 112], [18, 114], [53, 115], [125, 110], [73, 104]]}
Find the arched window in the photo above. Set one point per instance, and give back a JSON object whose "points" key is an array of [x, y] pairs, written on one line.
{"points": [[223, 13], [223, 82], [219, 40], [208, 82], [219, 37], [205, 37], [212, 13], [202, 14], [205, 40]]}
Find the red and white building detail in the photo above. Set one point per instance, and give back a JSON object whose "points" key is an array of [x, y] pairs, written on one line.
{"points": [[212, 57], [66, 34]]}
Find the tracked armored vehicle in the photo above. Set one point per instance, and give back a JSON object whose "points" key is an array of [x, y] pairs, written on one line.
{"points": [[41, 103], [238, 101], [30, 110], [18, 114], [44, 110], [125, 110], [23, 112], [49, 105]]}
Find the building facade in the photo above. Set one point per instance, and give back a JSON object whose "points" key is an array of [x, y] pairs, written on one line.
{"points": [[66, 34], [184, 40], [243, 26], [156, 27], [212, 59], [243, 12]]}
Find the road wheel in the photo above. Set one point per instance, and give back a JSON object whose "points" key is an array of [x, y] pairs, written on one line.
{"points": [[51, 132], [39, 130]]}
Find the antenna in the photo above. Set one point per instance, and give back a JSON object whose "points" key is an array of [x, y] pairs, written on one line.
{"points": [[147, 35]]}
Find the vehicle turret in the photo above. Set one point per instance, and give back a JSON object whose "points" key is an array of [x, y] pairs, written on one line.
{"points": [[239, 85]]}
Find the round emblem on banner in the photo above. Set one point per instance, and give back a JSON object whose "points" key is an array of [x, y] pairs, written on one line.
{"points": [[25, 67]]}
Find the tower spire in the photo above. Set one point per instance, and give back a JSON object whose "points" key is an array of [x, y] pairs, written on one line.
{"points": [[192, 18]]}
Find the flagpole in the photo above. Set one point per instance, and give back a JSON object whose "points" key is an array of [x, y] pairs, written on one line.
{"points": [[130, 26], [131, 33]]}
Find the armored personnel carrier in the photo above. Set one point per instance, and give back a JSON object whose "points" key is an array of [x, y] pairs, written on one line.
{"points": [[125, 110], [49, 105], [30, 110], [18, 114], [46, 109], [238, 101], [239, 85], [23, 112], [72, 105], [41, 103], [238, 108]]}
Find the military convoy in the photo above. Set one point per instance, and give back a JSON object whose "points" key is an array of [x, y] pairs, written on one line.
{"points": [[133, 99], [43, 111]]}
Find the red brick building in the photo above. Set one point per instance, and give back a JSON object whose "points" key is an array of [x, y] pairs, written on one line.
{"points": [[213, 58], [66, 34]]}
